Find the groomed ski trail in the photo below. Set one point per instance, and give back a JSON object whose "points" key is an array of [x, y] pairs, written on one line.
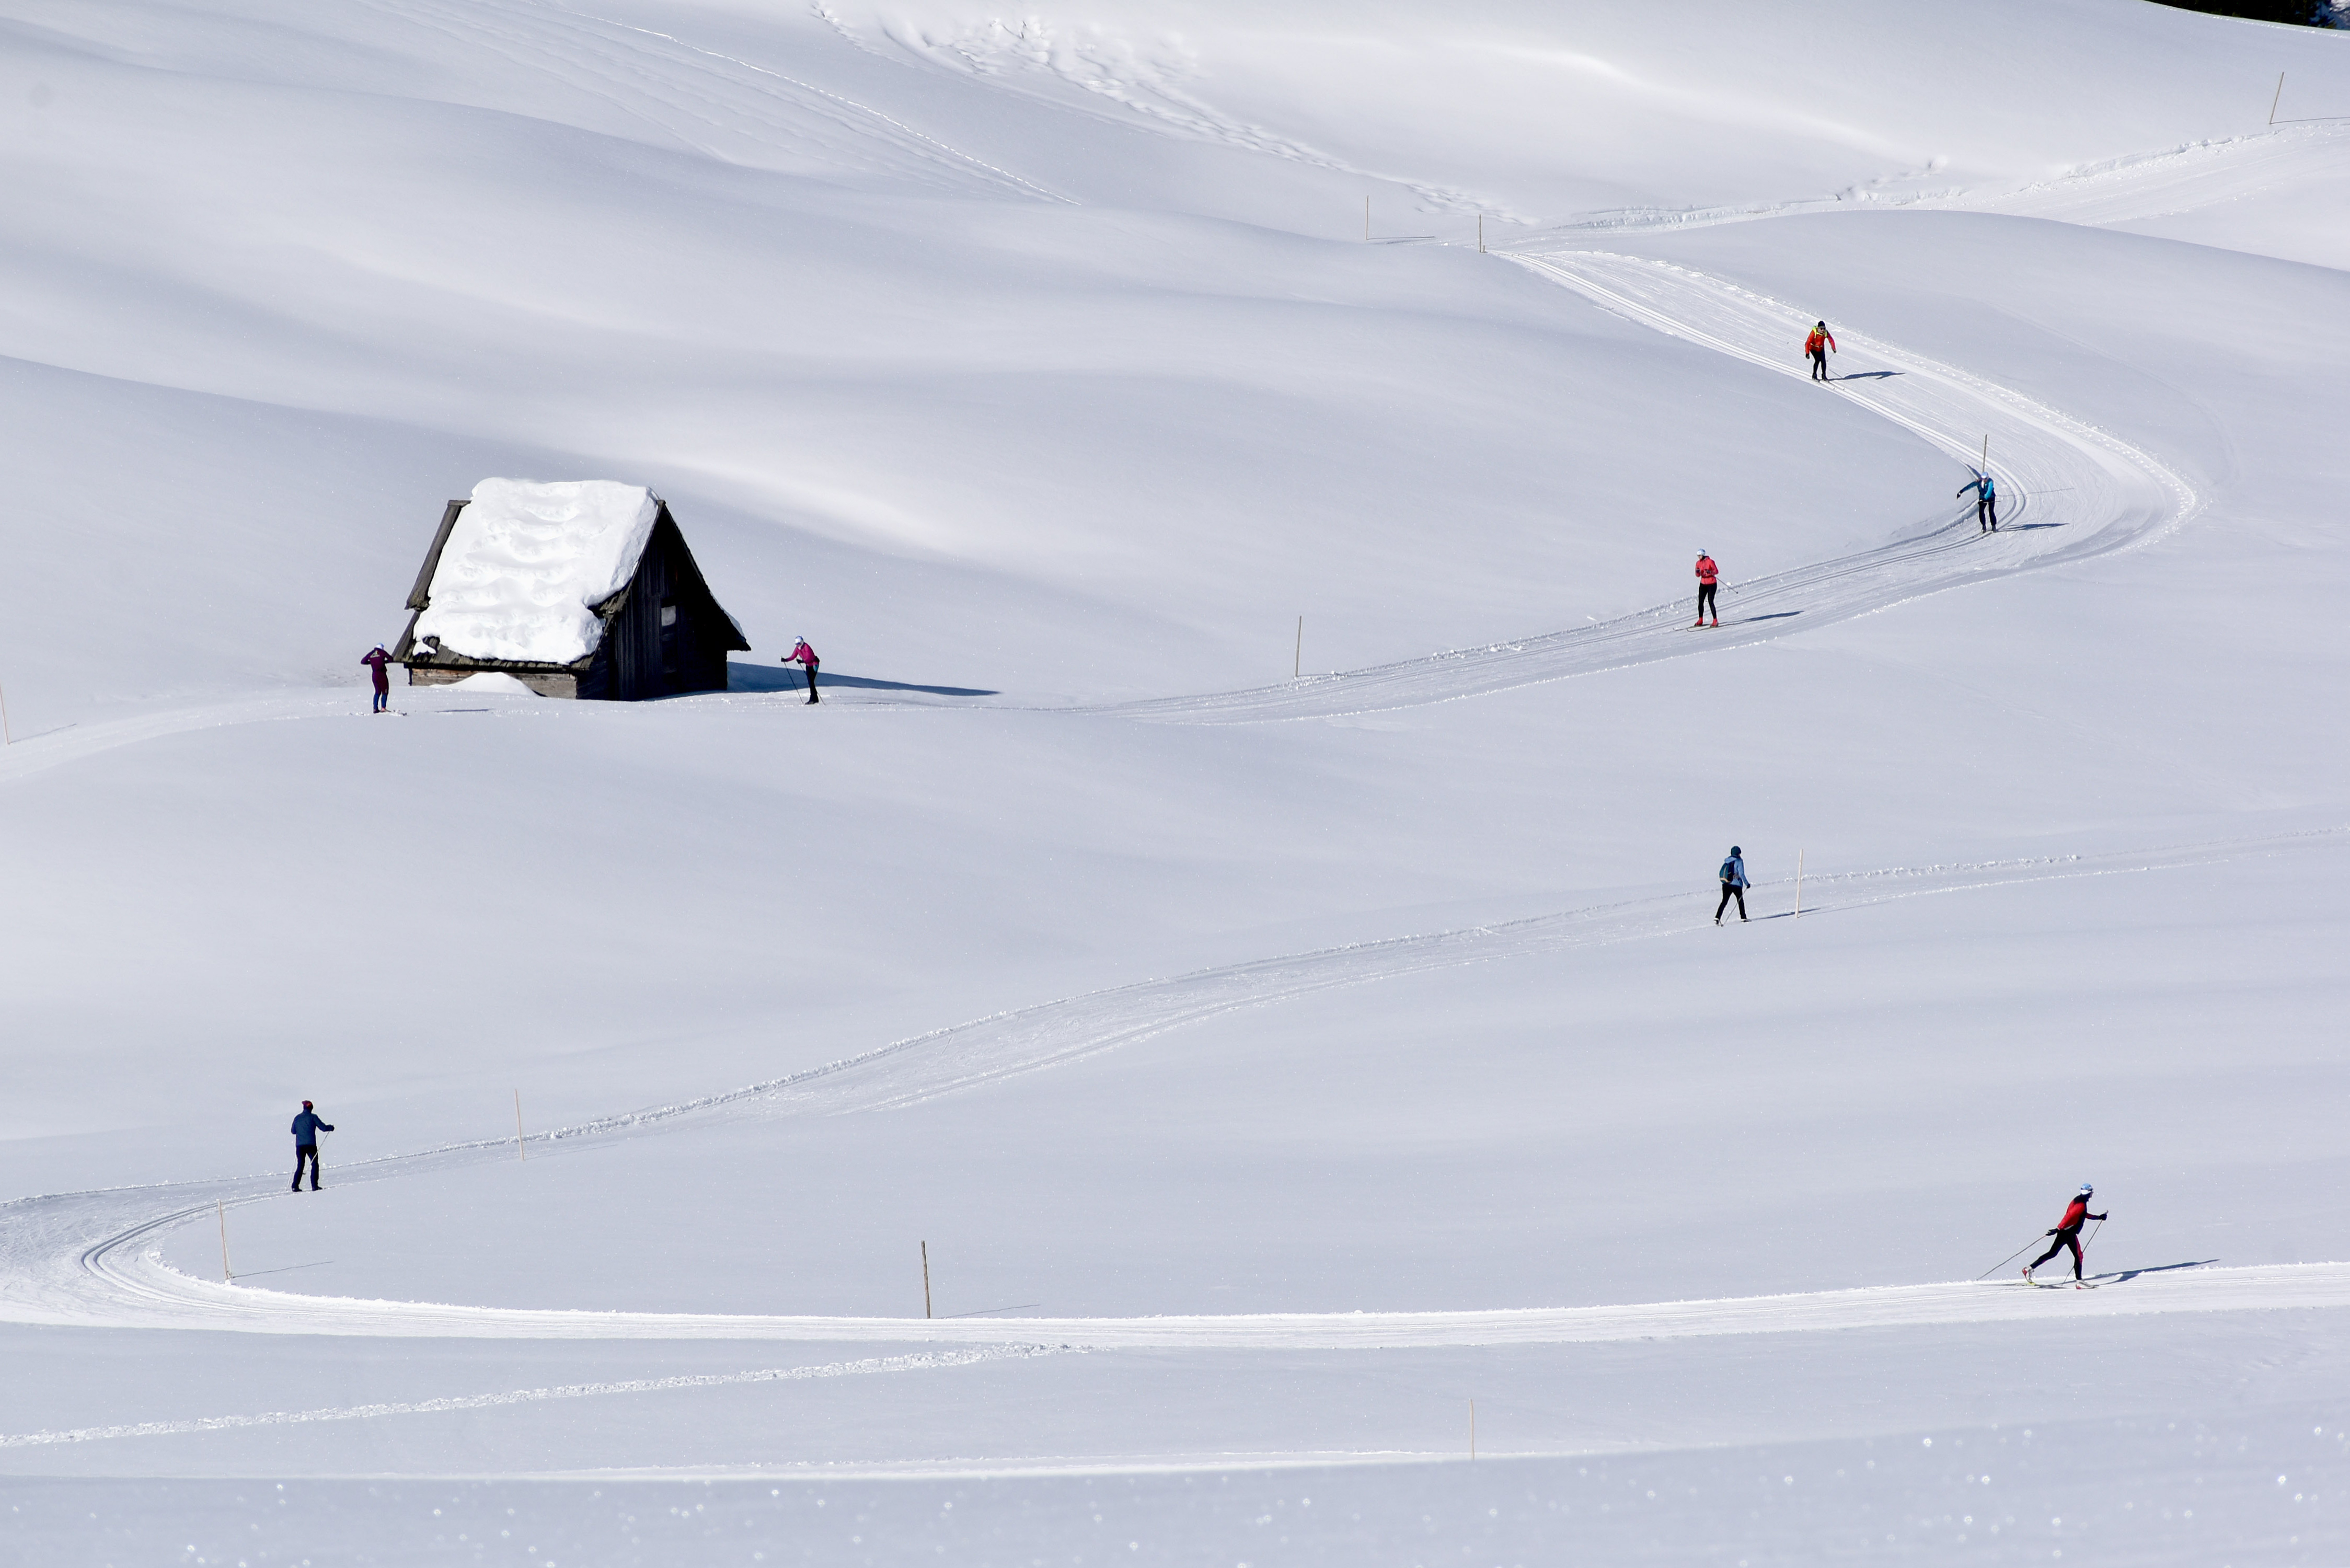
{"points": [[2110, 194], [83, 1259], [2069, 492], [2184, 1287]]}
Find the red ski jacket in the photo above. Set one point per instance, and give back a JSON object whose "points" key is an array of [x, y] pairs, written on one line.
{"points": [[1811, 344], [1706, 571], [2074, 1213]]}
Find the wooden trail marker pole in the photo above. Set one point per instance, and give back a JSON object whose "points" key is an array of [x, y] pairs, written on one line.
{"points": [[1799, 884], [1297, 654], [1481, 234], [1986, 451], [926, 1279], [226, 1278], [519, 1148], [2277, 98], [8, 735]]}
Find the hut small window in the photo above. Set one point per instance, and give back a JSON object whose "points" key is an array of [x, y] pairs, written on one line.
{"points": [[669, 612]]}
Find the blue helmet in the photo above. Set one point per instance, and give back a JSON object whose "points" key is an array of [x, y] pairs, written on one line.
{"points": [[1735, 850], [2087, 1188]]}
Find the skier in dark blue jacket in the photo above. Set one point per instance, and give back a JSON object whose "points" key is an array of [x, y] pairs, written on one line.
{"points": [[1733, 884], [1986, 500], [307, 1128]]}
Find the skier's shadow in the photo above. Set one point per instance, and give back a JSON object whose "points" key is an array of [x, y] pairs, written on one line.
{"points": [[1869, 375], [2126, 1275]]}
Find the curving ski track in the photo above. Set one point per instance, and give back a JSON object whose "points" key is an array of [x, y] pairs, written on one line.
{"points": [[86, 1259], [2072, 492], [2069, 492]]}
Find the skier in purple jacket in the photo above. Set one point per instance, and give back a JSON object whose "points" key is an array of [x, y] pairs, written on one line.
{"points": [[375, 662]]}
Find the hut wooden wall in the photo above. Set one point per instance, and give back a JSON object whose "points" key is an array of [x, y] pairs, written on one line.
{"points": [[637, 661]]}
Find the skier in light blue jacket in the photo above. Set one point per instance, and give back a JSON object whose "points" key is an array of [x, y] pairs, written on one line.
{"points": [[1986, 500], [1733, 884]]}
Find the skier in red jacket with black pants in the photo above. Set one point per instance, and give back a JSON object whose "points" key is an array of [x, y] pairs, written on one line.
{"points": [[2068, 1233], [1817, 346], [1706, 574]]}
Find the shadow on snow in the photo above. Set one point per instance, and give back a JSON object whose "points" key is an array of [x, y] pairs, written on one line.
{"points": [[758, 678]]}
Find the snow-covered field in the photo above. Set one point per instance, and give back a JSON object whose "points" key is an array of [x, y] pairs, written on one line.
{"points": [[1095, 1090]]}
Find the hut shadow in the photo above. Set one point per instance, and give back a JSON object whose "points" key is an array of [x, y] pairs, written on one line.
{"points": [[759, 678]]}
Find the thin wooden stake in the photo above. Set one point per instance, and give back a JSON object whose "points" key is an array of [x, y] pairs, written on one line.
{"points": [[1799, 884], [1472, 1428], [2277, 99], [1297, 655], [520, 1147], [1481, 234], [926, 1279], [226, 1278], [1986, 451]]}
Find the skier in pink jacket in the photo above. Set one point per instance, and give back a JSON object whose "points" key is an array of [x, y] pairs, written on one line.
{"points": [[802, 654]]}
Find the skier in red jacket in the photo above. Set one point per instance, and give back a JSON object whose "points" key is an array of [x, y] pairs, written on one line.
{"points": [[1818, 346], [1706, 574], [2068, 1233]]}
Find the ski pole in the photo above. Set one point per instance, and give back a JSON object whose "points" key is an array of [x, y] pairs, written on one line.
{"points": [[2011, 1257], [2084, 1246]]}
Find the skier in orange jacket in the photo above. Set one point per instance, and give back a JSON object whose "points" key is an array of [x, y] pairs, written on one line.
{"points": [[1818, 346]]}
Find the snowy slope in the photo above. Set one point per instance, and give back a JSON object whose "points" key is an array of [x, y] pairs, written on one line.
{"points": [[1266, 1067]]}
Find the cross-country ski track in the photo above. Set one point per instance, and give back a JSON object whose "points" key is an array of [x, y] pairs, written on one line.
{"points": [[88, 1259], [2069, 493]]}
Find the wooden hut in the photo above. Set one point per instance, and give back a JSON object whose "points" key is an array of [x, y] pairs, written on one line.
{"points": [[577, 589]]}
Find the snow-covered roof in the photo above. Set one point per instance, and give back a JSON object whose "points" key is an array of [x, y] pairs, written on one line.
{"points": [[525, 563]]}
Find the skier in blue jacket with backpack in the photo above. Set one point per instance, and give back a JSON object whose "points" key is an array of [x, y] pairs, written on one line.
{"points": [[1733, 884], [1986, 500]]}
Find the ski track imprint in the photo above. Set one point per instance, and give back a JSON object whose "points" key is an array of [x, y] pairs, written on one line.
{"points": [[89, 1258], [2069, 492], [920, 1362]]}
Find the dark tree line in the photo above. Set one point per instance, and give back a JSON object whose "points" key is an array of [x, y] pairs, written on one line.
{"points": [[2300, 13]]}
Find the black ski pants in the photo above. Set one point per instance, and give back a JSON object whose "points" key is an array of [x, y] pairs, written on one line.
{"points": [[1987, 512], [1820, 365], [1705, 601], [2064, 1239], [1731, 890], [811, 669], [306, 1152]]}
